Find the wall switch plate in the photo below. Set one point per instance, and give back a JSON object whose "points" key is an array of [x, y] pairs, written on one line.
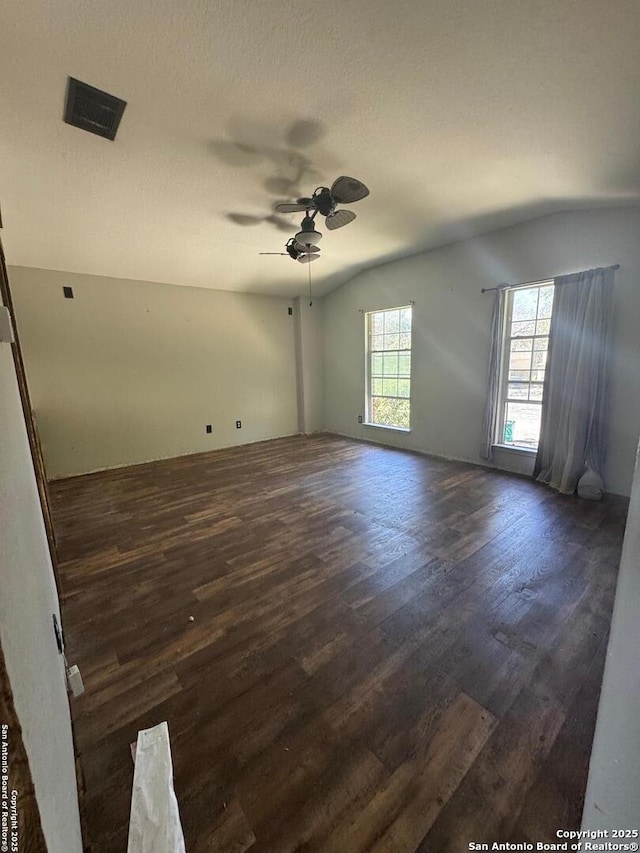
{"points": [[238, 424], [68, 292], [6, 326], [359, 419], [209, 428], [290, 311]]}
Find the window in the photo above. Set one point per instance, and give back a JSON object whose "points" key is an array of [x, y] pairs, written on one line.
{"points": [[389, 368], [525, 345]]}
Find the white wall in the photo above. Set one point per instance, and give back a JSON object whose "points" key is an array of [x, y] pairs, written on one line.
{"points": [[451, 330], [309, 356], [130, 371], [613, 789], [27, 603]]}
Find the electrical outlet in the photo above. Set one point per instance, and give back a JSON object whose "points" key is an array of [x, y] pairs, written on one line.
{"points": [[238, 424], [290, 311], [209, 428], [359, 419]]}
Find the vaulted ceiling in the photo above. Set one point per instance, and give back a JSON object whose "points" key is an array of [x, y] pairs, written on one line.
{"points": [[460, 115]]}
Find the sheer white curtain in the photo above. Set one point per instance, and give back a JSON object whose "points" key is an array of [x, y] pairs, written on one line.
{"points": [[574, 411], [493, 379]]}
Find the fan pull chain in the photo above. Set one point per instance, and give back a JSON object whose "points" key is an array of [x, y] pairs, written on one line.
{"points": [[310, 298]]}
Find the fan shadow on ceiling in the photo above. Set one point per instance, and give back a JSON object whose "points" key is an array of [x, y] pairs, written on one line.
{"points": [[290, 164]]}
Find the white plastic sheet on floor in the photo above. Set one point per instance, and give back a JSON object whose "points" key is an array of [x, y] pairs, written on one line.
{"points": [[154, 825]]}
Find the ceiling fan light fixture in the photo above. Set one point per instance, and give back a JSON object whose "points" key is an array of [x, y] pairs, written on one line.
{"points": [[308, 238]]}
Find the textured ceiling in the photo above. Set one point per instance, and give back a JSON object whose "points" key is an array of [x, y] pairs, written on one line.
{"points": [[460, 115]]}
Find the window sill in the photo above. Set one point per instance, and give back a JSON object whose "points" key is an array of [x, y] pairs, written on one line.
{"points": [[384, 426], [512, 448]]}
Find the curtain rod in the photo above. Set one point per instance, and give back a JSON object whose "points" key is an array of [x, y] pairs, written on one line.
{"points": [[527, 283]]}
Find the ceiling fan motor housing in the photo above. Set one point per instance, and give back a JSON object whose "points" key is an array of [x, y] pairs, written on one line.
{"points": [[308, 236], [323, 202]]}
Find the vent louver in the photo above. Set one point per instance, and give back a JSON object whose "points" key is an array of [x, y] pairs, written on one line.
{"points": [[92, 109]]}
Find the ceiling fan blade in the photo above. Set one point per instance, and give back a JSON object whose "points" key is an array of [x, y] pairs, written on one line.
{"points": [[346, 190], [339, 218], [306, 259], [306, 250], [290, 207], [272, 253]]}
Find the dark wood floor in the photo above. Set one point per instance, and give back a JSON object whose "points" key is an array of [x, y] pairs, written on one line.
{"points": [[389, 652]]}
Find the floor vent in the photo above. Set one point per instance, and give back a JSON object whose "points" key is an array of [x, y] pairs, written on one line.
{"points": [[93, 110]]}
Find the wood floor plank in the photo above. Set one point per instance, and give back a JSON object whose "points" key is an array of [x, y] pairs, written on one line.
{"points": [[500, 778], [230, 829], [356, 648], [398, 815]]}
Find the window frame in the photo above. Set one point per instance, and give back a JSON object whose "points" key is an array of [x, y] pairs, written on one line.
{"points": [[368, 377], [503, 381]]}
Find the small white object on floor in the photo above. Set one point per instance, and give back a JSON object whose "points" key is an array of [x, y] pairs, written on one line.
{"points": [[590, 485], [192, 618], [154, 824], [74, 680]]}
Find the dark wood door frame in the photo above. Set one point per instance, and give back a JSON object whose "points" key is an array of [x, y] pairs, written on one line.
{"points": [[43, 492], [29, 828], [34, 443], [21, 803]]}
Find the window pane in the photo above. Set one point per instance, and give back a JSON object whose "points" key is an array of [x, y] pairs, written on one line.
{"points": [[525, 329], [389, 343], [390, 387], [404, 364], [526, 358], [390, 366], [525, 303], [539, 359], [522, 424], [545, 301], [391, 322], [521, 344], [518, 391], [535, 392], [520, 360], [405, 320], [377, 324], [404, 387], [390, 412]]}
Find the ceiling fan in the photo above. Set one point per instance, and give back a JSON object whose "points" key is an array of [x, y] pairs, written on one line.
{"points": [[325, 200], [304, 253]]}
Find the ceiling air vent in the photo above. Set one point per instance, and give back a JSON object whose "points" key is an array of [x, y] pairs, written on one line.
{"points": [[93, 110]]}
